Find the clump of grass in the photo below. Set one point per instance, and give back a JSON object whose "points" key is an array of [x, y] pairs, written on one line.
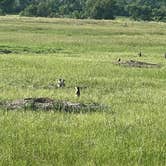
{"points": [[80, 139]]}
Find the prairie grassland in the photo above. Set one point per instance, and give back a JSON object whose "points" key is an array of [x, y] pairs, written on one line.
{"points": [[131, 132]]}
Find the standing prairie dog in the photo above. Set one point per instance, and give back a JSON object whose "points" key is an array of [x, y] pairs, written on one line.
{"points": [[77, 91], [140, 54], [61, 83]]}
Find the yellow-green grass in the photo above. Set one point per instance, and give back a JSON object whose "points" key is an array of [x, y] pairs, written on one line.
{"points": [[131, 132]]}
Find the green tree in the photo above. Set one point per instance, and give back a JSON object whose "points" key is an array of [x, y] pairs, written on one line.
{"points": [[31, 10], [7, 6], [140, 12], [159, 14], [98, 9]]}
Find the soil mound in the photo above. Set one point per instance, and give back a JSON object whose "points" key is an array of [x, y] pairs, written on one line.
{"points": [[48, 104], [132, 63], [5, 51]]}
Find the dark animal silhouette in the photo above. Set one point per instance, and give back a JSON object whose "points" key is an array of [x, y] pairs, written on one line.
{"points": [[140, 54], [119, 60]]}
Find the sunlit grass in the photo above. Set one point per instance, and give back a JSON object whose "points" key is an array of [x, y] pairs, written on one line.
{"points": [[130, 132]]}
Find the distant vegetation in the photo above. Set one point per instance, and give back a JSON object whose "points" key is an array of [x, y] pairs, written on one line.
{"points": [[151, 10]]}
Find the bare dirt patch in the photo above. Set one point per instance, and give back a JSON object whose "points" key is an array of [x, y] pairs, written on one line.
{"points": [[5, 51], [139, 64], [48, 104]]}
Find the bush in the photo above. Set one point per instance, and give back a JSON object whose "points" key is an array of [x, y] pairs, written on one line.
{"points": [[159, 14], [100, 9], [2, 13], [31, 10]]}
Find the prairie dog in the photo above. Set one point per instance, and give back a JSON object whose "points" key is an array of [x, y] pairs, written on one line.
{"points": [[140, 54], [61, 83], [77, 91]]}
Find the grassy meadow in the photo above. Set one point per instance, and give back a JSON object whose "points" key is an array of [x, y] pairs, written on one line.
{"points": [[132, 132]]}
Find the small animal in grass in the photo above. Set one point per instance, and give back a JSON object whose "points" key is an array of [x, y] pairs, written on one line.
{"points": [[119, 59], [140, 54], [77, 91], [61, 83], [165, 55]]}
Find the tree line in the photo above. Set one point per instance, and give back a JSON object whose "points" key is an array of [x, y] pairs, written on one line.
{"points": [[151, 10]]}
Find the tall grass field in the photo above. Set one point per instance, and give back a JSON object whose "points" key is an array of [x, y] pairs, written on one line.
{"points": [[35, 52]]}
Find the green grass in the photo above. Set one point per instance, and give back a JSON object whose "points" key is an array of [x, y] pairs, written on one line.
{"points": [[131, 132]]}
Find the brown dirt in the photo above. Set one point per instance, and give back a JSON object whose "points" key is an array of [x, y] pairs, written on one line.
{"points": [[5, 51], [48, 104], [139, 64]]}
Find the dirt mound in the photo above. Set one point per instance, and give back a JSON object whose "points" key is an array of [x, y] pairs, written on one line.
{"points": [[5, 51], [39, 100], [132, 63], [49, 104]]}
